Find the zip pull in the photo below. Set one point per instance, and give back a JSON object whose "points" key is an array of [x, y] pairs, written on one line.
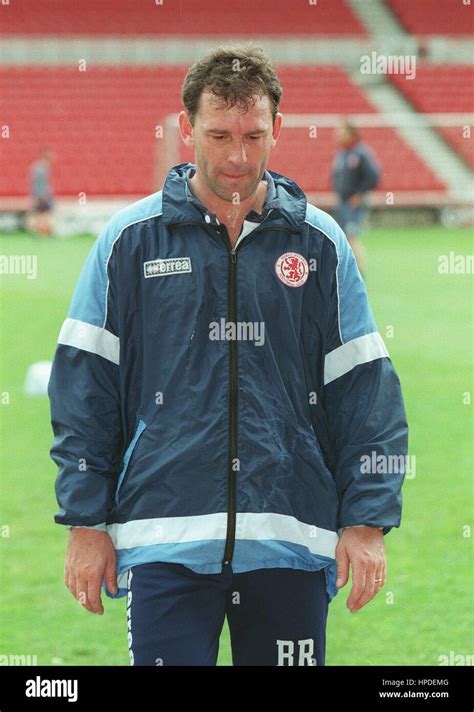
{"points": [[233, 256]]}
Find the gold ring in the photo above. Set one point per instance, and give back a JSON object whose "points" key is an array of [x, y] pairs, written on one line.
{"points": [[378, 580]]}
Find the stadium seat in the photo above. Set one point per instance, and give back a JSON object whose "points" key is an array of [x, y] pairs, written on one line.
{"points": [[432, 17], [105, 143], [443, 89], [180, 18]]}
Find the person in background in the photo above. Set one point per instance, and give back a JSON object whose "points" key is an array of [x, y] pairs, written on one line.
{"points": [[355, 171], [41, 193]]}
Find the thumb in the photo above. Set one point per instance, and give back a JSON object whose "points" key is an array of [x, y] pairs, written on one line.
{"points": [[342, 568], [110, 576]]}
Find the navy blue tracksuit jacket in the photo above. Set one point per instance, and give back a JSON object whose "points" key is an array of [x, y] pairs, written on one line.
{"points": [[355, 170], [212, 404]]}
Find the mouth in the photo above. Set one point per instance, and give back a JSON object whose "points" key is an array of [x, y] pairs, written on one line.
{"points": [[234, 176]]}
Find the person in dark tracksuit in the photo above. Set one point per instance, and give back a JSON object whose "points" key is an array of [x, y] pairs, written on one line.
{"points": [[42, 196], [217, 384], [355, 171]]}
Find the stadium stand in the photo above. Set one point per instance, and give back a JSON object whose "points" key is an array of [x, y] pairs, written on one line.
{"points": [[71, 112], [441, 89], [180, 17], [102, 123], [432, 17]]}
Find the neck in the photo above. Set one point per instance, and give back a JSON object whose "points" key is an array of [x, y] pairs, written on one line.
{"points": [[231, 215], [350, 144]]}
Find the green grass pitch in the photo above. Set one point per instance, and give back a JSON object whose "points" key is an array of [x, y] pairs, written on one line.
{"points": [[425, 609]]}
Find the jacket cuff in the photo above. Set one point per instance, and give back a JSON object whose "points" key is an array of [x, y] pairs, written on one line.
{"points": [[354, 526], [101, 527]]}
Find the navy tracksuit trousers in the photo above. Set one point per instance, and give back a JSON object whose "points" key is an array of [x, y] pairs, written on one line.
{"points": [[275, 616]]}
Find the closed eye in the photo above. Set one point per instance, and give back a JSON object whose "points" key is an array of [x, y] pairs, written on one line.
{"points": [[219, 138]]}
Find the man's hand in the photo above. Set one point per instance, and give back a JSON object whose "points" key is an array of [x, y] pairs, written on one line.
{"points": [[363, 548], [90, 558], [355, 200]]}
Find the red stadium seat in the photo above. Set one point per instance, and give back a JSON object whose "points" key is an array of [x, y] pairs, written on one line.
{"points": [[432, 17], [443, 89], [105, 143], [180, 18]]}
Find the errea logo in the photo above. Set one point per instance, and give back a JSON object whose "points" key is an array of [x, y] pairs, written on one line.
{"points": [[162, 268]]}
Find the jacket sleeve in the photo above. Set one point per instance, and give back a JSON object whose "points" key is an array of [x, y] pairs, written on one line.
{"points": [[336, 174], [362, 401], [369, 172], [84, 393]]}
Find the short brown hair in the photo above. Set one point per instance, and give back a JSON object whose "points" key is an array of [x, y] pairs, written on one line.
{"points": [[235, 74]]}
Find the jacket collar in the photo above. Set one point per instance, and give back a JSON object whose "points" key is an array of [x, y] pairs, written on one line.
{"points": [[284, 199]]}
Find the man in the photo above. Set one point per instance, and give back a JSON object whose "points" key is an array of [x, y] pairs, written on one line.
{"points": [[216, 383], [355, 172], [41, 191]]}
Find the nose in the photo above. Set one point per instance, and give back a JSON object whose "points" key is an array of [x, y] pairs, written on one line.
{"points": [[237, 155]]}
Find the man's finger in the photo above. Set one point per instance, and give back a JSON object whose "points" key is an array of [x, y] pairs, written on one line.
{"points": [[373, 586], [93, 595], [80, 590], [369, 590], [342, 568], [70, 582], [111, 577], [84, 592], [359, 574], [379, 578]]}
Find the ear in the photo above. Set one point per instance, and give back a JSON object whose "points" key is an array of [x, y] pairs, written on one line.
{"points": [[277, 127], [186, 129]]}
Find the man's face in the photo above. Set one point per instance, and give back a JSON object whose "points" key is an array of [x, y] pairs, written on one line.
{"points": [[232, 146], [343, 136]]}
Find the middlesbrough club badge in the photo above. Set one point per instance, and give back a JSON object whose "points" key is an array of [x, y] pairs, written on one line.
{"points": [[292, 269]]}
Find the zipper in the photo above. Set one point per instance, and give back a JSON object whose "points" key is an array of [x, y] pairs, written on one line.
{"points": [[233, 401], [233, 390], [233, 370]]}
